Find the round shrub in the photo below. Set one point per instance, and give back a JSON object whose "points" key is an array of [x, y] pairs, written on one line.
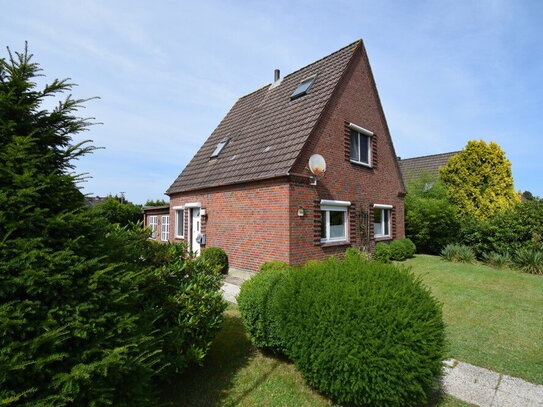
{"points": [[254, 302], [382, 252], [354, 253], [215, 256], [411, 248], [274, 265], [363, 333]]}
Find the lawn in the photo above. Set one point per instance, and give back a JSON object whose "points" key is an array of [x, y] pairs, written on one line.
{"points": [[494, 317], [235, 373]]}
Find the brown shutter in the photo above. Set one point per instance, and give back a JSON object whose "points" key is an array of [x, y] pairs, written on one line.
{"points": [[374, 161], [353, 223], [393, 223], [347, 141]]}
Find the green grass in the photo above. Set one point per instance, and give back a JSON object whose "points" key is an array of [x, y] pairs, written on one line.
{"points": [[494, 317], [235, 373]]}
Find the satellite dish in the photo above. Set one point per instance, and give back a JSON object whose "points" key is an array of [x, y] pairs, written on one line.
{"points": [[317, 165]]}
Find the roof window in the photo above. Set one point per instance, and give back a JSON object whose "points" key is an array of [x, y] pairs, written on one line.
{"points": [[219, 148], [302, 88]]}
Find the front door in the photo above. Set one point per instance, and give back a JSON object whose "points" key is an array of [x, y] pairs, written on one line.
{"points": [[195, 231]]}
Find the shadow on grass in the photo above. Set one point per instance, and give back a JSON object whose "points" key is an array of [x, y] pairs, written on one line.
{"points": [[209, 385]]}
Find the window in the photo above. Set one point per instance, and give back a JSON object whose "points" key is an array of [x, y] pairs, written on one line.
{"points": [[360, 145], [165, 228], [381, 220], [153, 223], [302, 88], [179, 222], [219, 148], [334, 221]]}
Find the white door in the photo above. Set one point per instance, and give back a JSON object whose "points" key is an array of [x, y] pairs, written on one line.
{"points": [[195, 225]]}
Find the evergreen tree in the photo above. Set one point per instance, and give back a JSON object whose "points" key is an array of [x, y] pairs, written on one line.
{"points": [[479, 180]]}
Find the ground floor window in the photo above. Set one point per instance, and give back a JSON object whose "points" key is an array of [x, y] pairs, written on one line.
{"points": [[165, 228], [333, 220], [381, 220], [153, 224], [179, 223]]}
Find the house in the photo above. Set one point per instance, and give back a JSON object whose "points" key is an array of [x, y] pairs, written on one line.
{"points": [[248, 189], [413, 168], [157, 218]]}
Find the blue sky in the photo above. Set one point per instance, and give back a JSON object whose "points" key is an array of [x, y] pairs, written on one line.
{"points": [[168, 71]]}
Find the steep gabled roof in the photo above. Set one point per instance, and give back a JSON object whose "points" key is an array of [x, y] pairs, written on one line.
{"points": [[412, 168], [266, 129]]}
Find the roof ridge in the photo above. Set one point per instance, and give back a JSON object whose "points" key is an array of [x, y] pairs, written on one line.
{"points": [[357, 42], [429, 155]]}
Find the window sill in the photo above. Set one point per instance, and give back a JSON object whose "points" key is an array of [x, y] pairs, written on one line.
{"points": [[382, 238], [361, 164], [333, 244]]}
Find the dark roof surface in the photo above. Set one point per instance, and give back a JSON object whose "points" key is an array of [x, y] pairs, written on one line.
{"points": [[413, 167], [267, 130]]}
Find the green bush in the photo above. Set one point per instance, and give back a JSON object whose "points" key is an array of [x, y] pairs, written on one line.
{"points": [[529, 260], [354, 253], [352, 350], [274, 265], [254, 302], [311, 263], [402, 249], [508, 231], [458, 253], [114, 211], [216, 257], [91, 314], [497, 260], [431, 219], [382, 252]]}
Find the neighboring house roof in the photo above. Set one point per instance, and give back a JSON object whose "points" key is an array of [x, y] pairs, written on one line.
{"points": [[157, 209], [412, 168], [266, 129]]}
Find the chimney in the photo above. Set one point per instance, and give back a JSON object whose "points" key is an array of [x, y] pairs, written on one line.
{"points": [[276, 75]]}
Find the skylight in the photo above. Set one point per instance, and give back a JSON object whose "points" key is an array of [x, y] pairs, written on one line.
{"points": [[302, 88], [219, 148]]}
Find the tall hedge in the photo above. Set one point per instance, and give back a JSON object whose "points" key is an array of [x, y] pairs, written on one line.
{"points": [[90, 313]]}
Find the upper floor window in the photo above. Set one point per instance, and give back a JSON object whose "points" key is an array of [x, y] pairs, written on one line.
{"points": [[165, 228], [381, 220], [303, 88], [360, 145], [334, 221], [153, 224]]}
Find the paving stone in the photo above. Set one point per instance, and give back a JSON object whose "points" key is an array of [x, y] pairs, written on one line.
{"points": [[503, 399], [230, 292], [522, 388]]}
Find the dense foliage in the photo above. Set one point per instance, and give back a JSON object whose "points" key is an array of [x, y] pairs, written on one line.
{"points": [[90, 313], [397, 250], [479, 180], [255, 303], [216, 257], [431, 219], [323, 317], [115, 211], [156, 202]]}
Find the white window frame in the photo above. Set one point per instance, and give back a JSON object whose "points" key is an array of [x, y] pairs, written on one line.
{"points": [[328, 206], [179, 211], [153, 224], [164, 228], [384, 207], [364, 132]]}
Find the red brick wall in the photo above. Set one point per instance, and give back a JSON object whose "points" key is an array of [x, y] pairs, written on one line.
{"points": [[357, 102], [158, 213], [249, 221]]}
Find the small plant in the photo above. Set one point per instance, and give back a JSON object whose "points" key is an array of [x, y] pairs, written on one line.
{"points": [[311, 263], [273, 265], [529, 261], [382, 252], [360, 255], [458, 253], [497, 260], [216, 257]]}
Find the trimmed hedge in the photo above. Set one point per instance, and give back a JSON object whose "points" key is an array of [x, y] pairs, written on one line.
{"points": [[254, 301], [398, 250], [216, 257], [363, 333]]}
